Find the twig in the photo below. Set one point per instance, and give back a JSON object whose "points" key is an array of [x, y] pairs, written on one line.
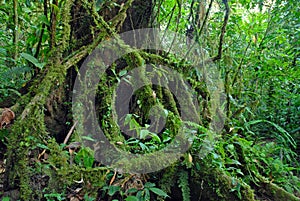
{"points": [[240, 65], [113, 178], [70, 132]]}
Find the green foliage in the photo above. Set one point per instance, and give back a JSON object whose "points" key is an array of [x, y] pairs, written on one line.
{"points": [[246, 160], [54, 196], [85, 157], [5, 199], [147, 193], [131, 198], [146, 141], [168, 179], [259, 66], [283, 136], [183, 183], [3, 133], [11, 79], [88, 198], [32, 59], [264, 64], [144, 194]]}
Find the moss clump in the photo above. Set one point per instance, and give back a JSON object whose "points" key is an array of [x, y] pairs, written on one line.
{"points": [[217, 185]]}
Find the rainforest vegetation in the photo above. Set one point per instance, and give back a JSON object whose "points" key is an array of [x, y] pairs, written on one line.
{"points": [[137, 100]]}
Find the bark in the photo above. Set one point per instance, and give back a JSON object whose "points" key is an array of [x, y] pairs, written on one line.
{"points": [[42, 113]]}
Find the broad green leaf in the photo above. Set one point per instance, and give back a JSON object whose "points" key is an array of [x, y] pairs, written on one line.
{"points": [[32, 59], [113, 189], [88, 138], [144, 133], [127, 119], [155, 137], [131, 190], [147, 194], [143, 146], [122, 73], [158, 191], [55, 7], [5, 199], [42, 146], [149, 185], [131, 198], [44, 19]]}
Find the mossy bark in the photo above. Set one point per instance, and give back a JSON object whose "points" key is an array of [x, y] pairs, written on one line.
{"points": [[214, 184], [274, 192], [30, 132]]}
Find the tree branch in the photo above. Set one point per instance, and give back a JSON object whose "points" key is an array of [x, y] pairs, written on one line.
{"points": [[53, 24], [205, 18], [16, 29], [198, 34], [42, 31], [223, 30]]}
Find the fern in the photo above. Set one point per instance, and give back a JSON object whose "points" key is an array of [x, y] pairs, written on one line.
{"points": [[196, 126], [169, 178], [183, 182], [285, 136]]}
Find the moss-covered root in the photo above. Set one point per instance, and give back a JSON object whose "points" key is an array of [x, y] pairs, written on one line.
{"points": [[276, 193], [214, 184]]}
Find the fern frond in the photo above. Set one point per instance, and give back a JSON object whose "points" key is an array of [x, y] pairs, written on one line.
{"points": [[183, 183]]}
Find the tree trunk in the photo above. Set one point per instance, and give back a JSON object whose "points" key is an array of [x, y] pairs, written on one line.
{"points": [[43, 112]]}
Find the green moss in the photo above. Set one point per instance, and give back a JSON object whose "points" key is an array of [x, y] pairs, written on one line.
{"points": [[61, 172], [220, 186], [168, 179], [275, 192]]}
